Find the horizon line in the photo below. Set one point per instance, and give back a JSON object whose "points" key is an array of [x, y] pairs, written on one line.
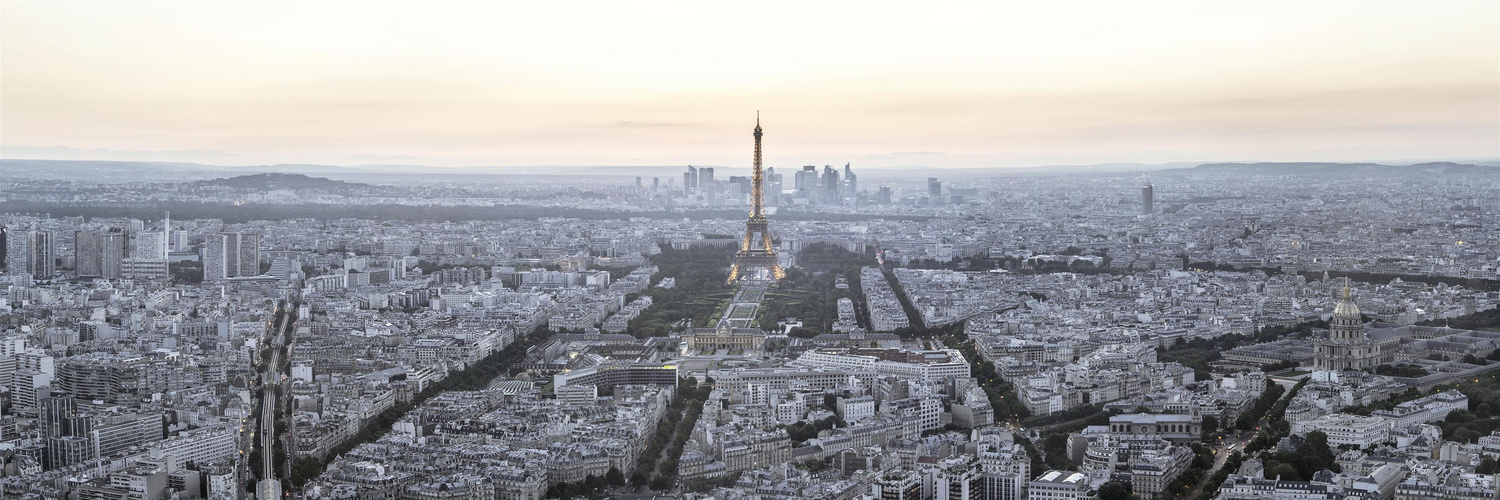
{"points": [[1167, 164]]}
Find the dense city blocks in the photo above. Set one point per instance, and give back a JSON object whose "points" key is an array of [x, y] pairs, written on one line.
{"points": [[1002, 337]]}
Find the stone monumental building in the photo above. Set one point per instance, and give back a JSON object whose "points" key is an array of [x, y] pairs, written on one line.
{"points": [[724, 337], [1348, 347]]}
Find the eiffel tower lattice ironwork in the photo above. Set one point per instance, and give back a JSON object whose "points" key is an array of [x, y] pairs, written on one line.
{"points": [[756, 250]]}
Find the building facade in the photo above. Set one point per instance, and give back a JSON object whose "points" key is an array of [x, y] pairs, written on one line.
{"points": [[724, 337], [1060, 485], [231, 255], [1347, 346]]}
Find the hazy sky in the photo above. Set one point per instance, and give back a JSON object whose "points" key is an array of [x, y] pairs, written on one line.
{"points": [[642, 83]]}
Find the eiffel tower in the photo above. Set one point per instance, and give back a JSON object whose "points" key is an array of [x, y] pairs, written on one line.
{"points": [[751, 259]]}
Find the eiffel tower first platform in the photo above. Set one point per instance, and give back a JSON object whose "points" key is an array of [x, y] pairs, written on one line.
{"points": [[757, 257]]}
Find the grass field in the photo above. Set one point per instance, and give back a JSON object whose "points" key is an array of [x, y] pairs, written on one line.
{"points": [[712, 304]]}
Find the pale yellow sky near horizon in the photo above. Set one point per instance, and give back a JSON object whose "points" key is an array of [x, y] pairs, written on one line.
{"points": [[645, 83]]}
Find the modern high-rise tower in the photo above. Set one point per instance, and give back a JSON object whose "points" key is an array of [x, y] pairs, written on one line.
{"points": [[230, 255], [705, 178], [805, 180], [99, 254], [87, 253], [68, 433], [111, 253], [773, 186], [1147, 198], [31, 252], [851, 184], [757, 230], [830, 185]]}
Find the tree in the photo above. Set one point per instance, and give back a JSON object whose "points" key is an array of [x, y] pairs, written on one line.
{"points": [[1286, 472], [1316, 440], [564, 490], [1114, 490], [661, 483], [1483, 410], [1487, 466], [304, 469], [1313, 455], [1245, 422], [1279, 366], [1210, 426], [614, 477]]}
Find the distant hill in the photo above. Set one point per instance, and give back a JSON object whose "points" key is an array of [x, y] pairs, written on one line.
{"points": [[274, 181], [1334, 169], [99, 171], [1283, 168], [1455, 168]]}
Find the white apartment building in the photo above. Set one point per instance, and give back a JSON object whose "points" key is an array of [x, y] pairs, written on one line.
{"points": [[955, 478], [578, 395], [1059, 485], [200, 446], [791, 411], [855, 409], [1343, 428], [926, 410], [1424, 409], [949, 364], [735, 381]]}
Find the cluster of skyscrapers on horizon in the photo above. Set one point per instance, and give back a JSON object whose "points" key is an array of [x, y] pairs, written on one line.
{"points": [[825, 188]]}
